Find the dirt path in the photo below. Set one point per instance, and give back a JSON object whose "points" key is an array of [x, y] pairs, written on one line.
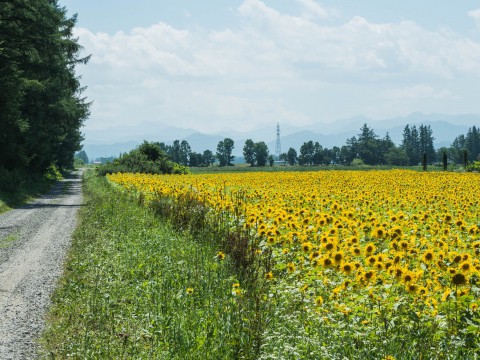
{"points": [[33, 242]]}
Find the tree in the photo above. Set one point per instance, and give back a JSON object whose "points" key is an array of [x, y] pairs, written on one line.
{"points": [[445, 161], [208, 158], [152, 150], [292, 156], [82, 155], [176, 152], [185, 151], [368, 146], [147, 158], [385, 145], [224, 152], [271, 160], [457, 149], [472, 143], [426, 142], [336, 155], [410, 144], [249, 152], [307, 150], [261, 153], [349, 151], [41, 108], [195, 159], [396, 156], [317, 157]]}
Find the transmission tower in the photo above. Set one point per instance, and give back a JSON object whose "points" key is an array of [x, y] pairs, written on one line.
{"points": [[278, 147]]}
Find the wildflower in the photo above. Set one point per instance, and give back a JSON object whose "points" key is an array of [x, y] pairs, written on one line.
{"points": [[327, 262], [370, 248], [370, 275], [347, 268], [446, 294], [459, 279], [319, 301], [220, 256], [379, 232], [371, 260], [356, 251], [236, 290], [307, 247], [466, 267], [291, 267], [329, 246], [428, 256], [422, 291], [337, 257], [269, 275], [189, 291], [411, 288]]}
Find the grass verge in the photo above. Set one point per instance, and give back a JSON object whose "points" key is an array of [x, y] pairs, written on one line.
{"points": [[10, 199], [134, 288]]}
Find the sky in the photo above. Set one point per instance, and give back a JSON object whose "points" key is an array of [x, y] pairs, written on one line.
{"points": [[216, 65]]}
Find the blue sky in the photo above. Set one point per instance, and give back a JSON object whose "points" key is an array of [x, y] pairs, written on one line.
{"points": [[226, 64]]}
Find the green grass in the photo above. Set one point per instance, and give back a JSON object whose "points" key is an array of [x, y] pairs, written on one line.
{"points": [[17, 188], [136, 289], [25, 193], [275, 168], [8, 240]]}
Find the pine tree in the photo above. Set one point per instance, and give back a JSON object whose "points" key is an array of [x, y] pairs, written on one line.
{"points": [[41, 108]]}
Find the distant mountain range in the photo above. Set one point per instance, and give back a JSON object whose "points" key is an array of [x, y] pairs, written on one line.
{"points": [[445, 129]]}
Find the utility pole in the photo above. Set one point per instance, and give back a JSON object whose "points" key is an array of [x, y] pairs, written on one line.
{"points": [[278, 147]]}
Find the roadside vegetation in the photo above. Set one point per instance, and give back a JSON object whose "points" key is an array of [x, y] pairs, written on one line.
{"points": [[136, 288], [16, 191], [311, 265]]}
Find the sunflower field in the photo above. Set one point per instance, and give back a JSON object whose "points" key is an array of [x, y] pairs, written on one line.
{"points": [[356, 264]]}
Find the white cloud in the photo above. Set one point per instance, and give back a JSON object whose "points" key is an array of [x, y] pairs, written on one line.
{"points": [[475, 14], [271, 43], [314, 10], [417, 92], [245, 74]]}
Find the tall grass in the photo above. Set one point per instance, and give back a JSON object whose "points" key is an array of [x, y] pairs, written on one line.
{"points": [[136, 289]]}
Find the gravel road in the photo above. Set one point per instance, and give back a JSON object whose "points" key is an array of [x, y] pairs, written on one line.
{"points": [[34, 240]]}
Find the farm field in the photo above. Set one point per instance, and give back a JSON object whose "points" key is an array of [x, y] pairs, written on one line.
{"points": [[357, 265]]}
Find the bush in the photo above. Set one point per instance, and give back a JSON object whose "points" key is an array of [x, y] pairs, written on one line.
{"points": [[475, 167], [148, 158], [52, 173], [11, 180], [357, 162]]}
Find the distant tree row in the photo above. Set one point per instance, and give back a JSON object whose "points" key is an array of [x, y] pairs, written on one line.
{"points": [[366, 148], [41, 108]]}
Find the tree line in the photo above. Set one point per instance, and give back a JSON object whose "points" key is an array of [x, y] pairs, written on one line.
{"points": [[41, 103], [366, 148]]}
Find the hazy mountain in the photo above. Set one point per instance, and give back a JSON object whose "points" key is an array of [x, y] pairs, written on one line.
{"points": [[445, 129]]}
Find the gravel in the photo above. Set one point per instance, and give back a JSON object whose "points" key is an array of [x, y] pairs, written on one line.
{"points": [[34, 240]]}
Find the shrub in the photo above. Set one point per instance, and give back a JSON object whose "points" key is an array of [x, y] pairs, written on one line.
{"points": [[11, 180], [148, 158]]}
